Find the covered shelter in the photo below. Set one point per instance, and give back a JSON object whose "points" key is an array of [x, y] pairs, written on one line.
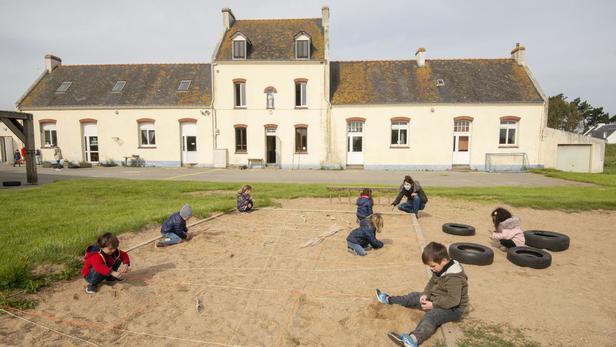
{"points": [[24, 130]]}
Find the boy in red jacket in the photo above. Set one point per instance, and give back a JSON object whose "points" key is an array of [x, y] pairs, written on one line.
{"points": [[104, 261]]}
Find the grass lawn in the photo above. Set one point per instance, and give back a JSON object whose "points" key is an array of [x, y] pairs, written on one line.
{"points": [[52, 224]]}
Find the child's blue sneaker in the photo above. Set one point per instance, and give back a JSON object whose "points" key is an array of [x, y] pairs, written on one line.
{"points": [[403, 340], [90, 289], [382, 297]]}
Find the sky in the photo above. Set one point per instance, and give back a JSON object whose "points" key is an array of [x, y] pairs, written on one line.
{"points": [[570, 45]]}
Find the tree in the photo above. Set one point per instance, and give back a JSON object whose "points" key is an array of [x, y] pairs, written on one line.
{"points": [[562, 114], [591, 116]]}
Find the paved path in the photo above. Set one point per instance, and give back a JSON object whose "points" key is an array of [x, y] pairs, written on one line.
{"points": [[432, 178]]}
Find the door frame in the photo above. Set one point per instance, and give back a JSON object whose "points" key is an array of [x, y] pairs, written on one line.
{"points": [[188, 129], [464, 157], [86, 129], [355, 128]]}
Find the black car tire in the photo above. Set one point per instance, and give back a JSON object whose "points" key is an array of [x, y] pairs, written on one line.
{"points": [[458, 229], [529, 257], [11, 183], [471, 253], [549, 240]]}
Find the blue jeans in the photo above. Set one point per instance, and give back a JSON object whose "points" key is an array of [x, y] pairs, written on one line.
{"points": [[357, 248], [95, 278], [431, 320], [171, 239], [413, 206]]}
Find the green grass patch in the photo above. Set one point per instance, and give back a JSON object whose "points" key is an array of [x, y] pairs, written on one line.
{"points": [[481, 334], [602, 179], [609, 162]]}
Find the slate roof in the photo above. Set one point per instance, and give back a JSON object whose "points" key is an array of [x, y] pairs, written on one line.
{"points": [[273, 39], [146, 85], [606, 130], [401, 81]]}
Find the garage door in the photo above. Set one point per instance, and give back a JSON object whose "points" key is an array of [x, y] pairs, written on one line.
{"points": [[574, 158]]}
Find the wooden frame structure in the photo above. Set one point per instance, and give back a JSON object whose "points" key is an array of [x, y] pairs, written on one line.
{"points": [[25, 132]]}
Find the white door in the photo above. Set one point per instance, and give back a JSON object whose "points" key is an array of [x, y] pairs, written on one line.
{"points": [[189, 142], [574, 158], [90, 142], [355, 143], [461, 142]]}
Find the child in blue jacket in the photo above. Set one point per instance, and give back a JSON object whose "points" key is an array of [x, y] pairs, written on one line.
{"points": [[364, 204], [365, 235], [174, 229]]}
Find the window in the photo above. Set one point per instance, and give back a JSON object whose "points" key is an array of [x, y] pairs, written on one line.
{"points": [[184, 85], [301, 140], [302, 47], [399, 133], [508, 130], [118, 86], [147, 135], [300, 94], [63, 87], [240, 140], [461, 126], [49, 135], [240, 93], [238, 47]]}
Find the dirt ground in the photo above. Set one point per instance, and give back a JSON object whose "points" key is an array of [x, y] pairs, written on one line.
{"points": [[258, 287]]}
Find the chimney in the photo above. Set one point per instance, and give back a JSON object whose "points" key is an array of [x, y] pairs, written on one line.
{"points": [[227, 18], [420, 56], [325, 17], [51, 62], [517, 54]]}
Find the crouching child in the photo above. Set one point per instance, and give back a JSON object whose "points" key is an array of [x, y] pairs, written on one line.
{"points": [[174, 229], [104, 262], [444, 299], [360, 239]]}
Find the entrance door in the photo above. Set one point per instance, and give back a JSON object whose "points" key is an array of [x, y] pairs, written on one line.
{"points": [[461, 142], [355, 143], [90, 142], [271, 149], [189, 143]]}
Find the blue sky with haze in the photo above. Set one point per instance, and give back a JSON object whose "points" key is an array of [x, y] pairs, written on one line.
{"points": [[570, 45]]}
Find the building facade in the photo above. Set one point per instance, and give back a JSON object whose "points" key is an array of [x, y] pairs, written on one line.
{"points": [[271, 96]]}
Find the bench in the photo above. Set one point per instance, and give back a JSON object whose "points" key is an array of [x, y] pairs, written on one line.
{"points": [[256, 162], [348, 191]]}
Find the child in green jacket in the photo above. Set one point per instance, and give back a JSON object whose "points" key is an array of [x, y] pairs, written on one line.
{"points": [[445, 297]]}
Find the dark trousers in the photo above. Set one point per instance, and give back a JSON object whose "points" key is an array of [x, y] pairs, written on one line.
{"points": [[413, 205], [507, 243], [431, 320], [245, 208], [95, 278]]}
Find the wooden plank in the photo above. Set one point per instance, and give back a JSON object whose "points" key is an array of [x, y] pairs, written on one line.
{"points": [[31, 174], [15, 115], [15, 127]]}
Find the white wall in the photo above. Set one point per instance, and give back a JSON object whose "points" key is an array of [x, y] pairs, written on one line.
{"points": [[431, 134], [552, 138], [281, 76], [16, 143], [118, 134]]}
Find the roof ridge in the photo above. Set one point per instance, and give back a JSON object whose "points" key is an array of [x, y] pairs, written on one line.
{"points": [[275, 19], [136, 64], [401, 60]]}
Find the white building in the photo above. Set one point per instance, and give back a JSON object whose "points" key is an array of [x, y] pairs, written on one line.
{"points": [[271, 95]]}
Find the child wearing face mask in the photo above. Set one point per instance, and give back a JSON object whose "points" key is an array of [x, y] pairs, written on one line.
{"points": [[416, 198]]}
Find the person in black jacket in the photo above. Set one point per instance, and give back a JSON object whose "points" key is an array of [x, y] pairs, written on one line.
{"points": [[365, 235], [174, 229], [416, 198], [364, 204]]}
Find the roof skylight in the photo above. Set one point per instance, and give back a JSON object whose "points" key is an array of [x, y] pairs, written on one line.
{"points": [[184, 85], [118, 86], [64, 87]]}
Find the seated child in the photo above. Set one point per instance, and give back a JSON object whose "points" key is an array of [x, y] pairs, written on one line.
{"points": [[445, 297], [244, 202], [364, 204], [365, 235], [104, 262], [508, 231], [174, 229]]}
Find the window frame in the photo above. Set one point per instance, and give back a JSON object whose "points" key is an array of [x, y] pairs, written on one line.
{"points": [[184, 85], [239, 39], [508, 125], [298, 43], [64, 87], [148, 128], [302, 94], [118, 86], [397, 126], [303, 139], [241, 146], [51, 130], [239, 95]]}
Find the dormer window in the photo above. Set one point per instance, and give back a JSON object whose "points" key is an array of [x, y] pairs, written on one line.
{"points": [[184, 85], [64, 87], [302, 46], [238, 48], [118, 86]]}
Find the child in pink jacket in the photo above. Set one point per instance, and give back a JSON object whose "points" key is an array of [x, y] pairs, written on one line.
{"points": [[508, 231]]}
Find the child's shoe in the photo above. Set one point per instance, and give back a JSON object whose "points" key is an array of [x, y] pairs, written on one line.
{"points": [[382, 297], [160, 244], [404, 340], [90, 289], [352, 251]]}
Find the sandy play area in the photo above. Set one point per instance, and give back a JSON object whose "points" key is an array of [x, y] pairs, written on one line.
{"points": [[258, 287]]}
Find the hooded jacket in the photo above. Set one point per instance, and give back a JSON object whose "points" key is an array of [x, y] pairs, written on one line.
{"points": [[415, 188], [175, 224], [101, 261], [509, 229], [365, 235], [449, 288], [364, 206]]}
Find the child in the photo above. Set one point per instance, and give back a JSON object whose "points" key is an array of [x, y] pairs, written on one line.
{"points": [[174, 229], [244, 202], [364, 204], [16, 158], [445, 297], [416, 198], [507, 229], [365, 235], [104, 262]]}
